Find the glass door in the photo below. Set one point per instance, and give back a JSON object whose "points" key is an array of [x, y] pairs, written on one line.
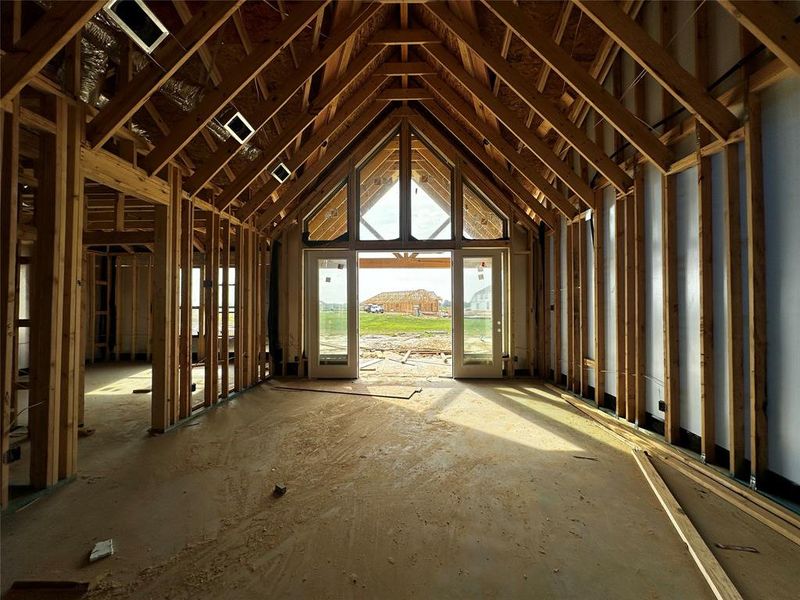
{"points": [[477, 313], [332, 314]]}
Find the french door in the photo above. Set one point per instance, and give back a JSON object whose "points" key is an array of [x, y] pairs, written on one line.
{"points": [[477, 313], [332, 310]]}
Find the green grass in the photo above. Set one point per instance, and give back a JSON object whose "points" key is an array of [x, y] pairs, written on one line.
{"points": [[334, 322]]}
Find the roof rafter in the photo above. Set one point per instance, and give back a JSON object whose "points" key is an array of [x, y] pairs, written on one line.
{"points": [[555, 57], [334, 151], [659, 63], [515, 126], [537, 101], [506, 150], [246, 177], [498, 170], [212, 102], [773, 27], [42, 42], [167, 59], [266, 110]]}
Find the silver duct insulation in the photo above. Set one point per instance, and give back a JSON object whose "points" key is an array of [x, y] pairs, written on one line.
{"points": [[101, 44]]}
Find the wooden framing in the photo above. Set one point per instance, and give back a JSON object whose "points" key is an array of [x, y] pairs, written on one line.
{"points": [[183, 131], [734, 314], [640, 312], [42, 42], [187, 277], [619, 273], [557, 303], [47, 312], [672, 419], [499, 110], [211, 292], [538, 102], [663, 68], [598, 240], [168, 58], [9, 204], [757, 289], [562, 63], [277, 100], [773, 27], [225, 263]]}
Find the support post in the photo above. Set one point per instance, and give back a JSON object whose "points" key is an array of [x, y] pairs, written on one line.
{"points": [[599, 300], [47, 308], [187, 270], [672, 419], [211, 291], [619, 269], [225, 302]]}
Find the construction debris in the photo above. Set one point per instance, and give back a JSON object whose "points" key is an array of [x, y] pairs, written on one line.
{"points": [[101, 550], [280, 490]]}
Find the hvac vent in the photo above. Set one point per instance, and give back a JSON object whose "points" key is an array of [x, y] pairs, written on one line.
{"points": [[239, 128], [281, 172], [138, 22]]}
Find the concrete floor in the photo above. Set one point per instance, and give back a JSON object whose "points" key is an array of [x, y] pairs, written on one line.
{"points": [[489, 489]]}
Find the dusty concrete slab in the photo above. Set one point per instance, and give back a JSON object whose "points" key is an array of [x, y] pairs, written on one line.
{"points": [[479, 490]]}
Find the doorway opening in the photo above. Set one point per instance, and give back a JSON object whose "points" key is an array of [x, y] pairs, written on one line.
{"points": [[405, 314]]}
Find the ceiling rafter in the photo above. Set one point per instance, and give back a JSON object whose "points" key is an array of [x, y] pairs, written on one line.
{"points": [[185, 130], [42, 42], [269, 108], [167, 59], [527, 204], [306, 151], [515, 126], [587, 86], [651, 55], [771, 25], [498, 169], [300, 123], [595, 155], [293, 191], [457, 104]]}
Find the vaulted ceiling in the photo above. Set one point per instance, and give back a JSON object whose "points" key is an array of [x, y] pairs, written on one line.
{"points": [[510, 84]]}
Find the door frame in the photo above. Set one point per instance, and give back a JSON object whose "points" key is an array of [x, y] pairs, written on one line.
{"points": [[349, 370], [495, 368]]}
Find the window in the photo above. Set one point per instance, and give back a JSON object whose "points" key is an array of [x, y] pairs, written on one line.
{"points": [[482, 219], [431, 196], [329, 220], [379, 193]]}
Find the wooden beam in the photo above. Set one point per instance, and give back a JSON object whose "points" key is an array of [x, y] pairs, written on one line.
{"points": [[47, 310], [513, 123], [557, 303], [663, 68], [714, 574], [536, 100], [284, 140], [211, 292], [640, 310], [161, 273], [187, 276], [292, 192], [225, 263], [71, 358], [183, 131], [672, 418], [706, 276], [619, 273], [734, 313], [632, 402], [757, 289], [402, 94], [579, 78], [392, 69], [167, 59], [397, 37], [118, 238], [499, 171], [598, 240], [9, 209], [772, 25], [110, 170], [526, 169], [275, 101], [42, 42]]}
